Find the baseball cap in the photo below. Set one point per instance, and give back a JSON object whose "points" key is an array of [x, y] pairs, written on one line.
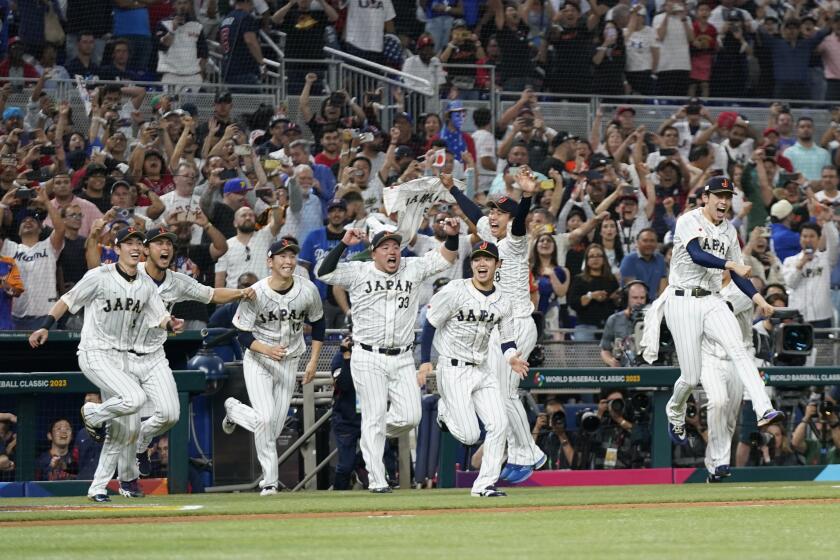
{"points": [[693, 108], [455, 105], [719, 185], [460, 22], [175, 113], [781, 209], [384, 236], [562, 136], [190, 109], [594, 175], [236, 185], [96, 169], [403, 115], [403, 152], [223, 96], [337, 203], [277, 119], [727, 119], [484, 248], [623, 109], [770, 130], [425, 41], [126, 233], [12, 112], [504, 204], [159, 232], [33, 213], [284, 244], [597, 161], [292, 127], [120, 183]]}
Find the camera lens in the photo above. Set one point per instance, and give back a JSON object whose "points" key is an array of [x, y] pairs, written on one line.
{"points": [[617, 406]]}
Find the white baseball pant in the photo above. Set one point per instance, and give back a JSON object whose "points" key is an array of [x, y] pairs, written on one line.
{"points": [[465, 392], [379, 379], [723, 390], [689, 320], [123, 379], [270, 385], [521, 447]]}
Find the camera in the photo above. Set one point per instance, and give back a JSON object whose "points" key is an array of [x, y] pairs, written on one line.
{"points": [[760, 439], [25, 193], [125, 213], [791, 341], [336, 99], [559, 419], [47, 150], [667, 349], [228, 174], [588, 420], [616, 406]]}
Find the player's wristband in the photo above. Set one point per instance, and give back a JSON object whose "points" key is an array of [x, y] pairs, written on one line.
{"points": [[49, 321], [451, 243]]}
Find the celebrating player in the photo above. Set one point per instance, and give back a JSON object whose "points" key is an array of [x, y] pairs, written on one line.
{"points": [[272, 334], [384, 294], [120, 306], [465, 313], [705, 244], [505, 226], [173, 287]]}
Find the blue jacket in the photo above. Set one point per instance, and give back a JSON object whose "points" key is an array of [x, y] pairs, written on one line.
{"points": [[785, 241], [790, 63]]}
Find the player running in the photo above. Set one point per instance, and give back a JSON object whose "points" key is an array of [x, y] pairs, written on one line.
{"points": [[505, 226], [460, 320], [384, 293], [705, 244], [272, 335], [120, 306]]}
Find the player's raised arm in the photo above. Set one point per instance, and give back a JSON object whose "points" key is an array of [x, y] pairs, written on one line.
{"points": [[528, 183], [330, 262], [468, 207], [449, 249]]}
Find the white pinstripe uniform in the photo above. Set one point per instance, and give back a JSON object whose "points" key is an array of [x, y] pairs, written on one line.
{"points": [[113, 357], [160, 384], [693, 319], [513, 279], [384, 312], [722, 384], [464, 318], [273, 318]]}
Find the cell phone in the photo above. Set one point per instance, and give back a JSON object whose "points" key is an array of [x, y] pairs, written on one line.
{"points": [[610, 33], [47, 150], [547, 184], [8, 161], [228, 174], [716, 173], [270, 164], [365, 137], [125, 213], [242, 150], [25, 193], [667, 151], [837, 210], [374, 97]]}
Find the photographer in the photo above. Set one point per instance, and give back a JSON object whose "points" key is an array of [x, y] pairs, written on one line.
{"points": [[346, 418], [693, 454], [550, 435], [616, 442], [616, 341], [817, 436]]}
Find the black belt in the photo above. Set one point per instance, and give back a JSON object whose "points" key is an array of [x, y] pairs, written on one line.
{"points": [[694, 292], [456, 363], [386, 351], [131, 352]]}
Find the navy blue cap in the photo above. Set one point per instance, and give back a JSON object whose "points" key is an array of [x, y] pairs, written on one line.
{"points": [[159, 232], [485, 248], [503, 203], [284, 244], [719, 185], [131, 231], [384, 236], [337, 203]]}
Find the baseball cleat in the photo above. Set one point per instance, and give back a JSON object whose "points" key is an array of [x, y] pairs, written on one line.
{"points": [[131, 489], [97, 434], [99, 498], [489, 492], [385, 490], [723, 471], [507, 470], [228, 426], [772, 416], [677, 434], [541, 463], [520, 474], [144, 466], [268, 491]]}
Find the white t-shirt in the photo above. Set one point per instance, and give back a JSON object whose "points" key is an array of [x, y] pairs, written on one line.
{"points": [[673, 49], [240, 258], [638, 45], [431, 72], [742, 154], [686, 138], [365, 28], [37, 265], [485, 146]]}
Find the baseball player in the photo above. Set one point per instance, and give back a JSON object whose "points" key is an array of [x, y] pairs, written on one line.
{"points": [[505, 226], [460, 319], [705, 244], [722, 385], [272, 334], [173, 287], [120, 306], [384, 293]]}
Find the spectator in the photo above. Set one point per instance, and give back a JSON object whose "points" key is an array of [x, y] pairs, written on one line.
{"points": [[440, 18], [223, 315], [607, 236], [552, 279], [58, 462], [829, 49], [828, 194], [37, 261], [617, 343], [791, 54], [324, 183], [14, 66], [425, 66], [86, 17], [238, 36], [806, 156], [305, 30], [550, 435], [71, 263], [642, 52], [609, 60], [456, 140], [675, 34], [485, 147], [515, 66], [234, 197], [807, 274], [330, 153], [86, 449], [734, 49], [645, 264], [219, 121], [84, 63], [592, 293], [276, 128], [568, 50], [8, 442], [703, 48], [630, 222], [182, 199], [131, 25], [247, 249], [347, 420], [464, 47], [766, 266], [365, 28], [304, 214], [120, 67], [182, 47], [817, 436], [11, 287]]}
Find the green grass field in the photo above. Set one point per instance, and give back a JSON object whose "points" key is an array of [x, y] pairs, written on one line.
{"points": [[802, 520]]}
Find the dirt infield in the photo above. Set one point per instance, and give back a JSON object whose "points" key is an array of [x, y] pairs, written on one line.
{"points": [[401, 513]]}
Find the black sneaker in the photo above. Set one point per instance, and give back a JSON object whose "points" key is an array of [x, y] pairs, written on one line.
{"points": [[131, 489], [99, 498], [489, 492]]}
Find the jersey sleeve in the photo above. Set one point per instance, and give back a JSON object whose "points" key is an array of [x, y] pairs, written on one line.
{"points": [[344, 275], [84, 291], [507, 332], [246, 315], [315, 310], [441, 306], [156, 309], [687, 228], [430, 264], [192, 290]]}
